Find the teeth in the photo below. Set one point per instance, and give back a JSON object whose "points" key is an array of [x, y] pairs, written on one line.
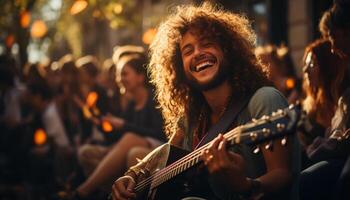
{"points": [[204, 64]]}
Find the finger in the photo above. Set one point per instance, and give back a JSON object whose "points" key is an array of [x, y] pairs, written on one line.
{"points": [[128, 190], [214, 145], [222, 152], [115, 193], [222, 145]]}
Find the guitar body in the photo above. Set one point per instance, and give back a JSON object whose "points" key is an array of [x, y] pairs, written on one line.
{"points": [[191, 183]]}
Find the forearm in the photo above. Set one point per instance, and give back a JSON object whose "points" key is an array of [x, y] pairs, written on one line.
{"points": [[275, 180]]}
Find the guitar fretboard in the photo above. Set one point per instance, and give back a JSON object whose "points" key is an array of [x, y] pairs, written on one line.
{"points": [[254, 132]]}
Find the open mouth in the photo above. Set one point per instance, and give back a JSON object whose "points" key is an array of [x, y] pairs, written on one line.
{"points": [[202, 65]]}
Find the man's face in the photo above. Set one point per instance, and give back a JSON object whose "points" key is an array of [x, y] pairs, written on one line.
{"points": [[203, 61]]}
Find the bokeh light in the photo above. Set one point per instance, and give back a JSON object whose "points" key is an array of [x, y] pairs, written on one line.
{"points": [[91, 99], [78, 6], [40, 137], [290, 83], [149, 35], [107, 126], [38, 29], [25, 19]]}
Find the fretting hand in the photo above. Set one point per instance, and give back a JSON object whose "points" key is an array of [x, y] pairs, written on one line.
{"points": [[122, 188], [225, 166]]}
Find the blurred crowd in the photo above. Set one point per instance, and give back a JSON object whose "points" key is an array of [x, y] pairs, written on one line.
{"points": [[78, 124]]}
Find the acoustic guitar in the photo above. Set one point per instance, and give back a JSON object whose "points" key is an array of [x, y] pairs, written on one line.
{"points": [[176, 174]]}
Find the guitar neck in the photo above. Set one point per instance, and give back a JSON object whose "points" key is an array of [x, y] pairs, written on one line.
{"points": [[181, 165], [279, 124]]}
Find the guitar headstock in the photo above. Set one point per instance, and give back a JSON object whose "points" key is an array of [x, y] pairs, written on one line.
{"points": [[269, 127]]}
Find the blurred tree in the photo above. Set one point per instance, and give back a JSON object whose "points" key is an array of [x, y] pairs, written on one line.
{"points": [[52, 27], [14, 26]]}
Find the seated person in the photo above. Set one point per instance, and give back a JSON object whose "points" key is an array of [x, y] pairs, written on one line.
{"points": [[139, 126]]}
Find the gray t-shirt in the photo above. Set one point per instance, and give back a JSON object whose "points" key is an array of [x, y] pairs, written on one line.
{"points": [[263, 102]]}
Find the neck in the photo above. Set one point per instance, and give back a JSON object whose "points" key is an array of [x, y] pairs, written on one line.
{"points": [[140, 96], [218, 98]]}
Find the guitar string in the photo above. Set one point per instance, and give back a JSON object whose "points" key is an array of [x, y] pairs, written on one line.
{"points": [[159, 179], [158, 176]]}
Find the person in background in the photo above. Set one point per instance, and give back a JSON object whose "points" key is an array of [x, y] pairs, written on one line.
{"points": [[107, 80], [324, 83], [41, 98], [281, 68], [139, 126]]}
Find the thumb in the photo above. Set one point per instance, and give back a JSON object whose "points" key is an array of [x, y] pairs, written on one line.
{"points": [[131, 184]]}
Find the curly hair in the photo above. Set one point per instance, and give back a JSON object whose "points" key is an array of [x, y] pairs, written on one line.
{"points": [[234, 35]]}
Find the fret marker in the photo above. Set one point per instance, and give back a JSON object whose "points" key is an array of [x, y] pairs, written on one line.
{"points": [[253, 136], [280, 127]]}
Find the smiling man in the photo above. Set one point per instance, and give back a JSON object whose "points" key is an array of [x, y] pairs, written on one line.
{"points": [[206, 74]]}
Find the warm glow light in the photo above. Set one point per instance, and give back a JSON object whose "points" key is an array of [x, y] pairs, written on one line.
{"points": [[118, 8], [25, 19], [10, 39], [86, 112], [107, 126], [78, 6], [91, 99], [40, 137], [39, 29], [290, 83], [149, 35]]}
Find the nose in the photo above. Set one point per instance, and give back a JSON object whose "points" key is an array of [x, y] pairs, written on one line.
{"points": [[198, 54]]}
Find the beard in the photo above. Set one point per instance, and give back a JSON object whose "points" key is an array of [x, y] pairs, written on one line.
{"points": [[220, 77]]}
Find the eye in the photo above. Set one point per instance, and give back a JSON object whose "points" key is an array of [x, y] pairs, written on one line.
{"points": [[207, 44], [187, 51]]}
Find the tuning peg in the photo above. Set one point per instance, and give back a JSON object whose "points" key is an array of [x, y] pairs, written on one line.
{"points": [[266, 132], [253, 136], [256, 150], [280, 127], [280, 112], [284, 141], [269, 146]]}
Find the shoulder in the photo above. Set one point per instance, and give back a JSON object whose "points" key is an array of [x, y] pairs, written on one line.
{"points": [[266, 100]]}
